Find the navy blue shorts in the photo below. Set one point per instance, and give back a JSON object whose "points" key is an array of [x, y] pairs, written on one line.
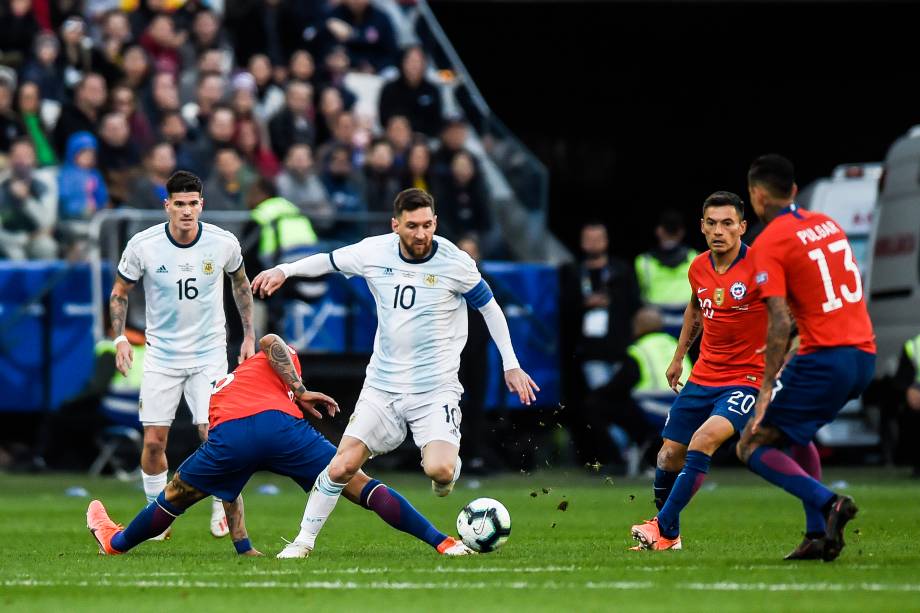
{"points": [[814, 387], [697, 403], [271, 440]]}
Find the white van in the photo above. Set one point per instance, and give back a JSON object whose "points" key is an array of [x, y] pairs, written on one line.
{"points": [[894, 281], [849, 196]]}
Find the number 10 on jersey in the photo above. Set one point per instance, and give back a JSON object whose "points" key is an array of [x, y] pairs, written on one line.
{"points": [[403, 296]]}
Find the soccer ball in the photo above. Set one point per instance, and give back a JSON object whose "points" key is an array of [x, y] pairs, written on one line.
{"points": [[484, 525]]}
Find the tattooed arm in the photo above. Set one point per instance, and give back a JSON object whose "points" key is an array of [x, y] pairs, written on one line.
{"points": [[779, 324], [279, 357], [118, 313], [242, 296], [689, 331]]}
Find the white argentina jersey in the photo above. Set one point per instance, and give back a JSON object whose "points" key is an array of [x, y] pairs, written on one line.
{"points": [[184, 291], [421, 313]]}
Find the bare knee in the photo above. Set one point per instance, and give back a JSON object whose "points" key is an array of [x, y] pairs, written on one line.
{"points": [[707, 442], [154, 445], [440, 472], [181, 494], [343, 467], [671, 457]]}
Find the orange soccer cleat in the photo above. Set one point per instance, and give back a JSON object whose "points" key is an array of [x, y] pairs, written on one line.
{"points": [[102, 528], [649, 536]]}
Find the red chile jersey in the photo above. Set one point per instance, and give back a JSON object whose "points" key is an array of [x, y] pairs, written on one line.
{"points": [[734, 322], [806, 257], [252, 388]]}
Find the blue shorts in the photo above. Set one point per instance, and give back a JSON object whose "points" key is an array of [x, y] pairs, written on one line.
{"points": [[271, 440], [697, 403], [814, 387]]}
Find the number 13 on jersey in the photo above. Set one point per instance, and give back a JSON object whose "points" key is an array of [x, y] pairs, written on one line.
{"points": [[833, 301]]}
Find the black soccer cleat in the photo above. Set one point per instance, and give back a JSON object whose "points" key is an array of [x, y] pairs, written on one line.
{"points": [[808, 549], [842, 510]]}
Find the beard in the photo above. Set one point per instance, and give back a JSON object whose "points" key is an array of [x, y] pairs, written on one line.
{"points": [[416, 250]]}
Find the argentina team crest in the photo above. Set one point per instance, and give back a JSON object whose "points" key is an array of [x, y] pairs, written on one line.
{"points": [[430, 280], [718, 296], [207, 266], [738, 290]]}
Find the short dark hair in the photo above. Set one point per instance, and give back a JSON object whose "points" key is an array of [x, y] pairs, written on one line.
{"points": [[721, 198], [412, 199], [183, 181], [775, 173]]}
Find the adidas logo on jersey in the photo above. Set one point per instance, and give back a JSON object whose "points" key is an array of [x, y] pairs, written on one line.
{"points": [[162, 268]]}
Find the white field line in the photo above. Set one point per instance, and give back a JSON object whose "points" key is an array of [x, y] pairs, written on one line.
{"points": [[454, 585]]}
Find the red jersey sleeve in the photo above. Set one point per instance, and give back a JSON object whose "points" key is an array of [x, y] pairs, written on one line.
{"points": [[769, 273]]}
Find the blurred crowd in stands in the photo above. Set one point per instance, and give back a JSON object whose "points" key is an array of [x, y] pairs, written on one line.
{"points": [[101, 100]]}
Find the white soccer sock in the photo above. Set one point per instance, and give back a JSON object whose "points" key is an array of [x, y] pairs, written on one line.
{"points": [[153, 485], [320, 504], [217, 507]]}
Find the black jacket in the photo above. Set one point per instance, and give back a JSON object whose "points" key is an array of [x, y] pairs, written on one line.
{"points": [[422, 105]]}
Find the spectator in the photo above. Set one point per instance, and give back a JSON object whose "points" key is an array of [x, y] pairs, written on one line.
{"points": [[164, 96], [47, 68], [242, 97], [418, 167], [336, 66], [399, 135], [221, 128], [293, 123], [80, 58], [249, 143], [453, 141], [83, 113], [149, 189], [206, 35], [662, 271], [269, 97], [299, 184], [212, 88], [10, 126], [411, 95], [162, 42], [596, 332], [136, 71], [380, 182], [345, 132], [366, 32], [906, 383], [331, 105], [119, 159], [29, 104], [115, 36], [345, 192], [17, 31], [28, 206], [82, 190], [463, 205], [639, 380], [212, 61], [479, 454], [225, 189], [174, 131], [125, 102], [301, 66]]}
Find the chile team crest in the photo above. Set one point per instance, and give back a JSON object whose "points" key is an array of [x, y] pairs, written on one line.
{"points": [[738, 290]]}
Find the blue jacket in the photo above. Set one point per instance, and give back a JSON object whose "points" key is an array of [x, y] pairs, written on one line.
{"points": [[82, 191]]}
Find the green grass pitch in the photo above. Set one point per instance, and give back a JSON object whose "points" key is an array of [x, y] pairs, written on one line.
{"points": [[735, 533]]}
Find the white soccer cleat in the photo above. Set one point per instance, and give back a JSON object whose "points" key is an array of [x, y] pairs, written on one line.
{"points": [[165, 536], [294, 550], [446, 488], [219, 526], [454, 547]]}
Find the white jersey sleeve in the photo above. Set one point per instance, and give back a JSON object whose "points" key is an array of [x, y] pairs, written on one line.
{"points": [[131, 266], [234, 256], [353, 260]]}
